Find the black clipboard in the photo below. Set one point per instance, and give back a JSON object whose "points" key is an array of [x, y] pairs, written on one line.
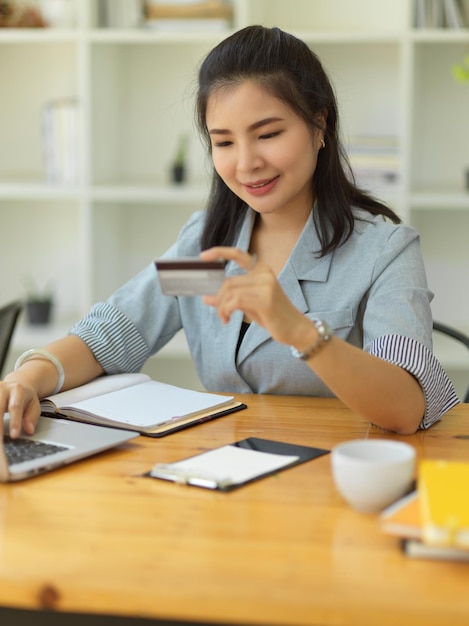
{"points": [[236, 464]]}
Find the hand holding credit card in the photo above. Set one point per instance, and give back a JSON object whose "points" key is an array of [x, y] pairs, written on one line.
{"points": [[190, 276]]}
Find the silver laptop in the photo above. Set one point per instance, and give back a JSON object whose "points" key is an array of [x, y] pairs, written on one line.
{"points": [[55, 443]]}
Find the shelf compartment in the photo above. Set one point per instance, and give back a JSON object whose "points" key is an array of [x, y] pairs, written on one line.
{"points": [[126, 87], [440, 144], [42, 240], [30, 87]]}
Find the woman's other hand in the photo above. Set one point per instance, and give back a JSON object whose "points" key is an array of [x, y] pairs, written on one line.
{"points": [[20, 400], [258, 294]]}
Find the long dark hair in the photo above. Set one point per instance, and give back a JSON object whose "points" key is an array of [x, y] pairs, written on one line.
{"points": [[290, 71]]}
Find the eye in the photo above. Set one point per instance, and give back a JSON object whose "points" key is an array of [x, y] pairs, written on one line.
{"points": [[270, 135], [222, 144]]}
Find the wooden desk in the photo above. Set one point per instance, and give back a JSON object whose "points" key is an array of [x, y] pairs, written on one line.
{"points": [[100, 538]]}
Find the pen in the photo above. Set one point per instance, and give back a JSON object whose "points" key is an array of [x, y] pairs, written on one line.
{"points": [[185, 477]]}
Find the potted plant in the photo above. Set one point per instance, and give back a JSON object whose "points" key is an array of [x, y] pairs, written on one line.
{"points": [[179, 166], [38, 303], [461, 70]]}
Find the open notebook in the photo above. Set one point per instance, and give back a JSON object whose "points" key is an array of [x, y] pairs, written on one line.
{"points": [[56, 442], [136, 402]]}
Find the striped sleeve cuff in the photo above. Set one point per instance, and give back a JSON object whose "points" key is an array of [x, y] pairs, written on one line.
{"points": [[419, 361], [114, 340]]}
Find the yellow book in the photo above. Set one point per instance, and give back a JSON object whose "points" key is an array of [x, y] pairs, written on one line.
{"points": [[403, 517], [444, 502]]}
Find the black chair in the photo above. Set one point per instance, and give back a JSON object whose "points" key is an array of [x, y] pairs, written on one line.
{"points": [[8, 317], [458, 336]]}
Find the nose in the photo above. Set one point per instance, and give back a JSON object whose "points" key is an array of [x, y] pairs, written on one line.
{"points": [[249, 158]]}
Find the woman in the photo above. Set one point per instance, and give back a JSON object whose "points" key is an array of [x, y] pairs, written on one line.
{"points": [[325, 293]]}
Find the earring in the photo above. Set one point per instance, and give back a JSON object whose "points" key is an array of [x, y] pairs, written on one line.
{"points": [[323, 143]]}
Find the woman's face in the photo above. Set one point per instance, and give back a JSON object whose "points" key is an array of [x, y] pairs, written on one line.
{"points": [[264, 152]]}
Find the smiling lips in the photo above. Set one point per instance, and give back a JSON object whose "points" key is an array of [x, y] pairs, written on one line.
{"points": [[261, 187]]}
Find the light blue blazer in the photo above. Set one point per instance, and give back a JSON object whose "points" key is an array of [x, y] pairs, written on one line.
{"points": [[372, 291], [370, 288]]}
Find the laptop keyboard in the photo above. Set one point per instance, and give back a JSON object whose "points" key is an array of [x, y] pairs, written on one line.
{"points": [[20, 450]]}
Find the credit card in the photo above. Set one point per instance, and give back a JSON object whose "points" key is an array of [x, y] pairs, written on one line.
{"points": [[189, 276]]}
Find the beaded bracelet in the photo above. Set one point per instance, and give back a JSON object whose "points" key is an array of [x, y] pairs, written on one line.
{"points": [[43, 354]]}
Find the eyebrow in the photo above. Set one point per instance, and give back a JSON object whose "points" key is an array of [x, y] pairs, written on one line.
{"points": [[255, 126]]}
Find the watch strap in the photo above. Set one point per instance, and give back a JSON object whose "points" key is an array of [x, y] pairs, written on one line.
{"points": [[325, 334]]}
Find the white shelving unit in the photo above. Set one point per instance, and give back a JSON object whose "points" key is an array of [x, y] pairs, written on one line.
{"points": [[135, 90]]}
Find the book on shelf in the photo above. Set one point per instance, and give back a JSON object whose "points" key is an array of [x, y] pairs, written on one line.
{"points": [[454, 14], [194, 9], [420, 16], [187, 26], [136, 402], [374, 157], [120, 13], [60, 140], [429, 14], [439, 14], [195, 15], [435, 14]]}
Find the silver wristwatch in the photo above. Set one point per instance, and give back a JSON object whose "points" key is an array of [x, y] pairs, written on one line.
{"points": [[325, 334]]}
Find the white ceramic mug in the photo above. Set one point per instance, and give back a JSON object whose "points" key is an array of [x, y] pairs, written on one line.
{"points": [[372, 473]]}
